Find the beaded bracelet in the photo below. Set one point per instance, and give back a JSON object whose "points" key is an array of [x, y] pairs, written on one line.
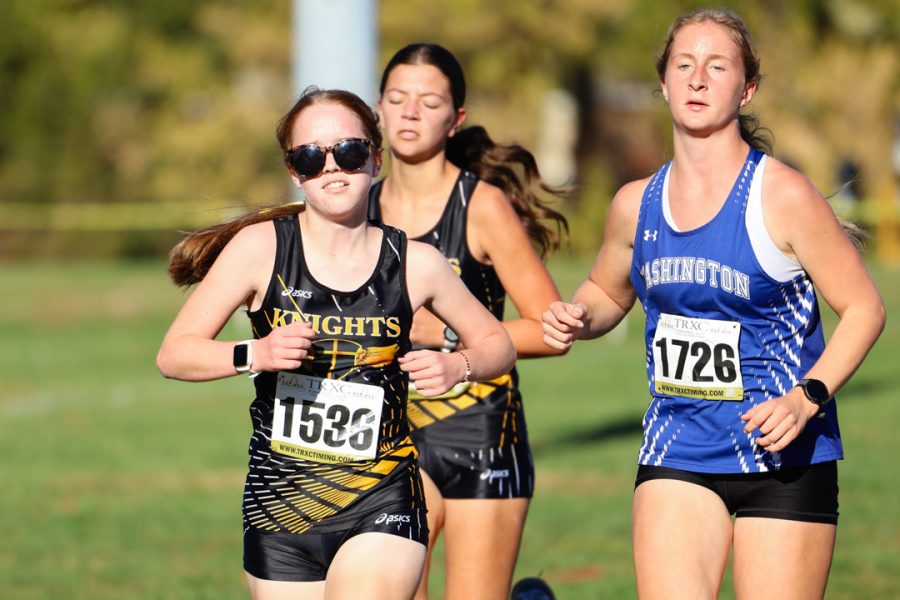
{"points": [[466, 379]]}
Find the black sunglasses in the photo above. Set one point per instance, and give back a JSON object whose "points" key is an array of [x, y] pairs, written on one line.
{"points": [[308, 160]]}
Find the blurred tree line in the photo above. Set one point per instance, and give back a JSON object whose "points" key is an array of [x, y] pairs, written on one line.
{"points": [[122, 103]]}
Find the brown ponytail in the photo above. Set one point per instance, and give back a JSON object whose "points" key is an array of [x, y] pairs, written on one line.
{"points": [[754, 134], [472, 149], [192, 257]]}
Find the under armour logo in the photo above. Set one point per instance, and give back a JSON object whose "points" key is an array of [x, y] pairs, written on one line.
{"points": [[650, 237]]}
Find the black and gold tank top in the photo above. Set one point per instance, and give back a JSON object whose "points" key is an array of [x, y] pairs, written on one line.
{"points": [[449, 237], [326, 435], [487, 413]]}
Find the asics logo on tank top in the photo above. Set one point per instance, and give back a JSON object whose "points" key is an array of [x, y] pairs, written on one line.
{"points": [[294, 293], [698, 270]]}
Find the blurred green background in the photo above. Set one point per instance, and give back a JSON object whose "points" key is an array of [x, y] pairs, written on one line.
{"points": [[123, 122], [120, 484]]}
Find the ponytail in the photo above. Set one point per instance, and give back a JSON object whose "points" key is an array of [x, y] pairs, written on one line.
{"points": [[854, 232], [473, 150], [191, 259], [754, 134], [857, 233]]}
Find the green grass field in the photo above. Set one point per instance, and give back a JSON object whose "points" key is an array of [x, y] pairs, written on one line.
{"points": [[120, 484]]}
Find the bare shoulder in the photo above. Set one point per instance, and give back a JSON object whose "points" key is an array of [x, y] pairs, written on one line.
{"points": [[625, 208], [421, 258], [629, 196], [489, 203], [490, 212], [254, 238], [797, 216], [250, 253], [790, 189], [426, 271]]}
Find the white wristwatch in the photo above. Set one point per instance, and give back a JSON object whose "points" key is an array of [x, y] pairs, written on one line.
{"points": [[243, 356]]}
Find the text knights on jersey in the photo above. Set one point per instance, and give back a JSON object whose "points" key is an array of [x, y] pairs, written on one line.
{"points": [[338, 325], [702, 271]]}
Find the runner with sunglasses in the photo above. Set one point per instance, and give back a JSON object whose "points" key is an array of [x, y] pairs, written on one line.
{"points": [[722, 246], [455, 189], [333, 500]]}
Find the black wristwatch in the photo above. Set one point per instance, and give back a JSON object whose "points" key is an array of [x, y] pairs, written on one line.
{"points": [[816, 391]]}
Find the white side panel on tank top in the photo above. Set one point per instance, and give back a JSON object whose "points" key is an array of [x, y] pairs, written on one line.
{"points": [[771, 259]]}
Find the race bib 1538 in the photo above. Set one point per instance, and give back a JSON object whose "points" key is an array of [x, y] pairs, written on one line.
{"points": [[326, 420]]}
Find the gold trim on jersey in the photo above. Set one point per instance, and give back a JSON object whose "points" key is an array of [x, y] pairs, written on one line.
{"points": [[422, 411], [298, 503], [377, 357]]}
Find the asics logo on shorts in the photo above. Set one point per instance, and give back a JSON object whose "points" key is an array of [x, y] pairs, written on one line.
{"points": [[296, 293], [492, 474], [387, 519]]}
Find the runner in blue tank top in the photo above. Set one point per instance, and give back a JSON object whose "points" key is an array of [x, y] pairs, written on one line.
{"points": [[721, 331], [333, 497], [722, 246], [456, 190]]}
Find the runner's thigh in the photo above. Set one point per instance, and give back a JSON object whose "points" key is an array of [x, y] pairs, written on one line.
{"points": [[682, 535], [481, 541], [375, 566]]}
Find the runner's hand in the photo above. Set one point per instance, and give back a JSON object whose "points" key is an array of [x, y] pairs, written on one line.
{"points": [[562, 323], [433, 372], [779, 420], [284, 349]]}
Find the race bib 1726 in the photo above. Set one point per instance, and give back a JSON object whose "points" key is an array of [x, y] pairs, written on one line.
{"points": [[697, 358]]}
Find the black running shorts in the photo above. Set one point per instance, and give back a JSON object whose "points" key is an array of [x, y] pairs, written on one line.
{"points": [[307, 556], [485, 473], [799, 494]]}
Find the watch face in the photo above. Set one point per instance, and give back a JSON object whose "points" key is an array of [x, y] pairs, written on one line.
{"points": [[240, 355], [815, 390]]}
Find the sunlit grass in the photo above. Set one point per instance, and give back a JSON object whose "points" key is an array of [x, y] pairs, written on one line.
{"points": [[120, 484]]}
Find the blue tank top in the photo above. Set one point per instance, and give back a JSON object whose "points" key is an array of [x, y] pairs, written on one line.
{"points": [[721, 336]]}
